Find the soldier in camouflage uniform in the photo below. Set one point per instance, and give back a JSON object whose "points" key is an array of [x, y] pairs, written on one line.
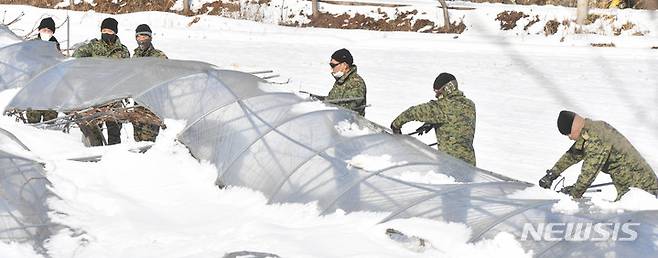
{"points": [[452, 116], [349, 90], [47, 30], [108, 46], [143, 35], [46, 33], [601, 148]]}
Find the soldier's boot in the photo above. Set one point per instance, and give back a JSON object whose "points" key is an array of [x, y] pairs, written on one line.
{"points": [[92, 133], [145, 132], [113, 132], [48, 115], [33, 116]]}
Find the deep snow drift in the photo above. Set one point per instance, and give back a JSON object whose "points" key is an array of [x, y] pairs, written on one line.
{"points": [[163, 203]]}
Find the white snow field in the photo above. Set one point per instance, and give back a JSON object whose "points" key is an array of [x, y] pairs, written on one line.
{"points": [[164, 203]]}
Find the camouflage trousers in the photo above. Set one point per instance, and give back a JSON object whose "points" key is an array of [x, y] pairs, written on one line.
{"points": [[35, 116], [644, 179], [113, 132], [145, 132], [621, 191], [95, 136]]}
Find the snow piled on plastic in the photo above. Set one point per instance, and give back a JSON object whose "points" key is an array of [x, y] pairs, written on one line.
{"points": [[351, 129], [309, 106], [427, 177], [634, 200], [373, 163], [163, 203]]}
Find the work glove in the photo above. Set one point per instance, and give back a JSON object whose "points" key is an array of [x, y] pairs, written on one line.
{"points": [[567, 190], [396, 130], [547, 180], [423, 129]]}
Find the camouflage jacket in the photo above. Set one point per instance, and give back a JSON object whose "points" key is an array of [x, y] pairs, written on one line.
{"points": [[350, 86], [98, 48], [454, 117], [602, 148], [150, 52]]}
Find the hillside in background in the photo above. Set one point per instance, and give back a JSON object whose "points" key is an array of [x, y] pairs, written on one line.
{"points": [[381, 15]]}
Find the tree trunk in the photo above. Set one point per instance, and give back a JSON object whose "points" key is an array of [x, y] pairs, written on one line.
{"points": [[446, 18], [582, 11], [314, 5], [186, 7], [650, 4]]}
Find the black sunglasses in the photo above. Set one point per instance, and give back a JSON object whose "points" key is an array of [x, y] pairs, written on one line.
{"points": [[334, 65]]}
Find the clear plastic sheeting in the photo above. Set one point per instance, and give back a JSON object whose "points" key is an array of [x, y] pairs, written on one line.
{"points": [[85, 82], [7, 37], [10, 143], [296, 150], [23, 194], [21, 61]]}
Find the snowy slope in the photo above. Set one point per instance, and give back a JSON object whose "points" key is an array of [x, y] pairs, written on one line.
{"points": [[518, 82]]}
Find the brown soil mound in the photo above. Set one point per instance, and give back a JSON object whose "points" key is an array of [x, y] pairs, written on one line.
{"points": [[508, 19], [603, 44], [567, 3], [104, 6], [624, 27], [455, 27], [551, 27], [403, 22], [591, 18], [532, 22], [219, 8]]}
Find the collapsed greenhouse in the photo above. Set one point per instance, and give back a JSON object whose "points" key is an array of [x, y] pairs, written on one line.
{"points": [[250, 130]]}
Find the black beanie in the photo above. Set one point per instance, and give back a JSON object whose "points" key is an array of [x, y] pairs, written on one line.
{"points": [[110, 23], [143, 29], [47, 23], [343, 55], [442, 80], [564, 121]]}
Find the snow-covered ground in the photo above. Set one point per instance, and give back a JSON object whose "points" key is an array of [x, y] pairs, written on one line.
{"points": [[163, 203]]}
